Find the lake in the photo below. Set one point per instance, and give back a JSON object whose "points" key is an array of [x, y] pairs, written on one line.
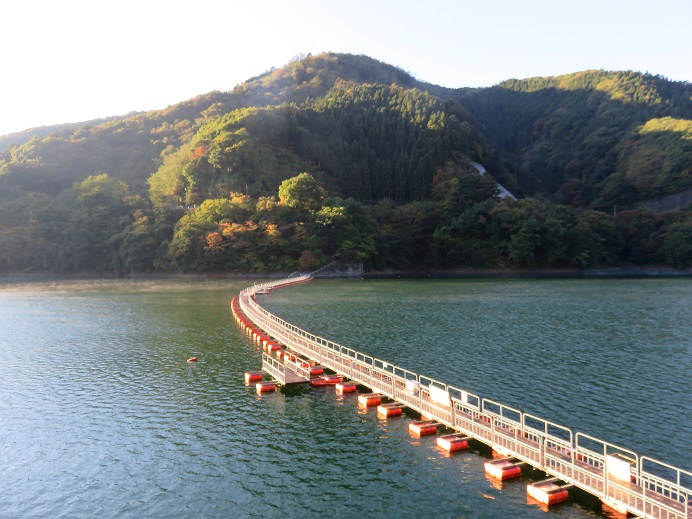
{"points": [[101, 415]]}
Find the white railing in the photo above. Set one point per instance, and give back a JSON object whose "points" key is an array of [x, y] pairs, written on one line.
{"points": [[274, 368], [579, 459]]}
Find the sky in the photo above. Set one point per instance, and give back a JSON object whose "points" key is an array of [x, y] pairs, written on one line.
{"points": [[75, 60]]}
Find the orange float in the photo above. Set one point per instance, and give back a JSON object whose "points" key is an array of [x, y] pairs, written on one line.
{"points": [[265, 387], [452, 443], [370, 399], [547, 492], [333, 379], [389, 410], [423, 428], [345, 387], [318, 382], [253, 376], [503, 469], [192, 359]]}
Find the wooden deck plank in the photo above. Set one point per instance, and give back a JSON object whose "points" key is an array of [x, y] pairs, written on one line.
{"points": [[293, 378]]}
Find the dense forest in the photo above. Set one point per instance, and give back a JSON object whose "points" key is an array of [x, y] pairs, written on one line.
{"points": [[344, 157], [594, 139]]}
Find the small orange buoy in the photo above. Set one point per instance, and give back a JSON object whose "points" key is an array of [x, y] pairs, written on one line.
{"points": [[547, 492], [265, 387], [333, 379], [503, 469], [192, 359], [423, 428], [345, 387], [315, 371], [369, 399], [318, 382], [452, 443], [252, 376], [389, 410]]}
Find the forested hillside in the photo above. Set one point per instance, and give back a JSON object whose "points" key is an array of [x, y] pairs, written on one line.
{"points": [[342, 156], [369, 142], [595, 138]]}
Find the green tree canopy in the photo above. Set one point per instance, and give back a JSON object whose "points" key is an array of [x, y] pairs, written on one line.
{"points": [[301, 192]]}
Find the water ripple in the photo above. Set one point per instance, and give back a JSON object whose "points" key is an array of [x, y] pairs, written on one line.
{"points": [[102, 417]]}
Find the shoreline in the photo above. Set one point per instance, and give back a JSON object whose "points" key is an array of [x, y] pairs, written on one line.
{"points": [[653, 271], [527, 273]]}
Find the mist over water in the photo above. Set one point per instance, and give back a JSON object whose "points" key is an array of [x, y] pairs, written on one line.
{"points": [[101, 416]]}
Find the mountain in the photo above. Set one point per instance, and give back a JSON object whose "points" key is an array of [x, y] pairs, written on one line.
{"points": [[395, 162], [593, 138], [131, 148]]}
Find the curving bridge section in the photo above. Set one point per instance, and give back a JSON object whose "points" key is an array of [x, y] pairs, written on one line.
{"points": [[622, 479]]}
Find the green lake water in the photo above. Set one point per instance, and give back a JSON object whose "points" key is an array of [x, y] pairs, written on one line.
{"points": [[100, 415]]}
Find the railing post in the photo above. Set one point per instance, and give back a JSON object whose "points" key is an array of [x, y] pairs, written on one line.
{"points": [[516, 441], [605, 471], [420, 393], [542, 452]]}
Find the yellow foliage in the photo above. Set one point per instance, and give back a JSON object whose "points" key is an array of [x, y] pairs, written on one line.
{"points": [[233, 231], [273, 230], [241, 200], [226, 229], [668, 124], [265, 203]]}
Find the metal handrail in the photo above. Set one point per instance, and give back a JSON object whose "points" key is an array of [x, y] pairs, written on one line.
{"points": [[274, 368], [489, 421], [675, 491]]}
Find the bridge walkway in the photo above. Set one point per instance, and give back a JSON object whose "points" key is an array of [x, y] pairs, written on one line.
{"points": [[620, 477]]}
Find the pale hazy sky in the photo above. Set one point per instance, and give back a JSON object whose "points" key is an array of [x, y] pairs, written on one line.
{"points": [[74, 60]]}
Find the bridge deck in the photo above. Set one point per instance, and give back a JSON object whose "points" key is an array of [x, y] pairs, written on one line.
{"points": [[619, 477]]}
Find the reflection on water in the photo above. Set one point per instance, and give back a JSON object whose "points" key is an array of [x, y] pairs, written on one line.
{"points": [[102, 416]]}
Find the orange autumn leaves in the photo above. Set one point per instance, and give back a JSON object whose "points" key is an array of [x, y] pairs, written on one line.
{"points": [[235, 233]]}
